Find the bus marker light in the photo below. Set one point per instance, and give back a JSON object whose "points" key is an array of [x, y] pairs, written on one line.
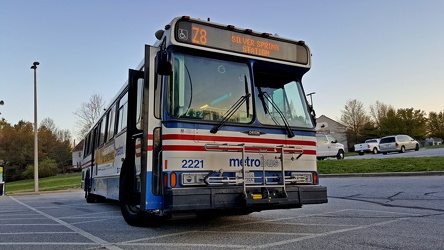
{"points": [[173, 179], [230, 27], [165, 179]]}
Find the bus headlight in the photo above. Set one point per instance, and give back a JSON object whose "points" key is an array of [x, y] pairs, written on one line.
{"points": [[301, 178], [192, 179]]}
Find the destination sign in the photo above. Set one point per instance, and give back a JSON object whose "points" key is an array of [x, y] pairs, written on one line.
{"points": [[237, 41]]}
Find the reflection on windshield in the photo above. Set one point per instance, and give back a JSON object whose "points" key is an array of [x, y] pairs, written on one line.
{"points": [[205, 88], [286, 98]]}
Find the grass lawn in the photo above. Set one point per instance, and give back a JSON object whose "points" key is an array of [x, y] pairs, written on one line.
{"points": [[410, 164], [60, 182]]}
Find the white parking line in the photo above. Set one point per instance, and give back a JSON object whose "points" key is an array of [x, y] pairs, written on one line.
{"points": [[85, 234], [274, 244]]}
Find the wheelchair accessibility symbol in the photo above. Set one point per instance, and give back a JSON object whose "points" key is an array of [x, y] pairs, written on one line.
{"points": [[183, 34]]}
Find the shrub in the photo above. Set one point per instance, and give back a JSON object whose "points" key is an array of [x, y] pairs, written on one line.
{"points": [[47, 168]]}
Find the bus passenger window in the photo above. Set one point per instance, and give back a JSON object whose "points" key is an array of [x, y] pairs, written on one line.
{"points": [[140, 86], [102, 132], [122, 113], [111, 122]]}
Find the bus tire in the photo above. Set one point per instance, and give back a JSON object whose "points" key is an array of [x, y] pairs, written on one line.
{"points": [[133, 214]]}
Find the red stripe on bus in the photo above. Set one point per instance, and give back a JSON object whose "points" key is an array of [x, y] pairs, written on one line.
{"points": [[236, 139], [182, 148]]}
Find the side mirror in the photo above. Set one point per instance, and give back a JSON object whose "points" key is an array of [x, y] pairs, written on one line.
{"points": [[163, 63]]}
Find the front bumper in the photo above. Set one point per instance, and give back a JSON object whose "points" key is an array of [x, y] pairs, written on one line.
{"points": [[233, 198]]}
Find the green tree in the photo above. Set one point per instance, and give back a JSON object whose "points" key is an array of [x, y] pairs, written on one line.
{"points": [[17, 147], [414, 122], [55, 144], [435, 124], [378, 111], [404, 121]]}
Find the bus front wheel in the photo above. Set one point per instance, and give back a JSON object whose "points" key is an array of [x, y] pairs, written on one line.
{"points": [[133, 214]]}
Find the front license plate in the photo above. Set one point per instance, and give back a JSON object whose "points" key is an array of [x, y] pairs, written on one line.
{"points": [[249, 178]]}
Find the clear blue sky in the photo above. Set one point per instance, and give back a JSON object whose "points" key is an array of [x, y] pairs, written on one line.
{"points": [[391, 51]]}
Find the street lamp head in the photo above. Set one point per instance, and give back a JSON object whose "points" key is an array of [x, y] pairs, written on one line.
{"points": [[2, 102], [34, 65]]}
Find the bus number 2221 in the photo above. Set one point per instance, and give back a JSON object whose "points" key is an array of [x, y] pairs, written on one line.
{"points": [[192, 164]]}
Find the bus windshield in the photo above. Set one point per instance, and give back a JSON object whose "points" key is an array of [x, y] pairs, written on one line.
{"points": [[280, 100], [206, 88]]}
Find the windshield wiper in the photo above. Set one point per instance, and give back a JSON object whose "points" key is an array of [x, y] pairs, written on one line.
{"points": [[230, 112], [264, 105], [261, 96]]}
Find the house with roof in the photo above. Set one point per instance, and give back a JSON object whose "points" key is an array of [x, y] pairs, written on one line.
{"points": [[77, 157]]}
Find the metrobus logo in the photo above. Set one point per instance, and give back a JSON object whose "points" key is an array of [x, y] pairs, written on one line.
{"points": [[251, 162]]}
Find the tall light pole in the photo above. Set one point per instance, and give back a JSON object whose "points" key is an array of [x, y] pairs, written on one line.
{"points": [[36, 141], [1, 104]]}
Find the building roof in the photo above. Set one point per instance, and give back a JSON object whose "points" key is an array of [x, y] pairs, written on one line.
{"points": [[79, 146]]}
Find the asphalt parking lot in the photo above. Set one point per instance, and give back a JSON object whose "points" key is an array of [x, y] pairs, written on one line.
{"points": [[362, 213]]}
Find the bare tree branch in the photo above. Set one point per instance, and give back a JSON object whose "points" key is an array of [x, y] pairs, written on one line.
{"points": [[354, 117], [378, 111], [89, 113]]}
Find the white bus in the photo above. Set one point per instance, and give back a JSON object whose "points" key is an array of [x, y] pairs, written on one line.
{"points": [[215, 119]]}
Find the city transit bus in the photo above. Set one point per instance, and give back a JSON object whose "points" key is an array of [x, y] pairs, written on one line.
{"points": [[213, 121]]}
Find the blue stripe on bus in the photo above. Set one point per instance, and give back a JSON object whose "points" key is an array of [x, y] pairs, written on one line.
{"points": [[279, 131]]}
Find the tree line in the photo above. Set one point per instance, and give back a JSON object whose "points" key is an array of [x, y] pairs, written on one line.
{"points": [[384, 120], [17, 149], [54, 144]]}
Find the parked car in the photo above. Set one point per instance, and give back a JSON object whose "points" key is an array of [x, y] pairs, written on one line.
{"points": [[328, 146], [370, 145], [397, 143]]}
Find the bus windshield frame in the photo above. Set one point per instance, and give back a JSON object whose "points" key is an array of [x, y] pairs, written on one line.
{"points": [[206, 88]]}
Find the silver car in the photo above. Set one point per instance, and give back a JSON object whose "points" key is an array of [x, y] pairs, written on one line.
{"points": [[397, 143]]}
